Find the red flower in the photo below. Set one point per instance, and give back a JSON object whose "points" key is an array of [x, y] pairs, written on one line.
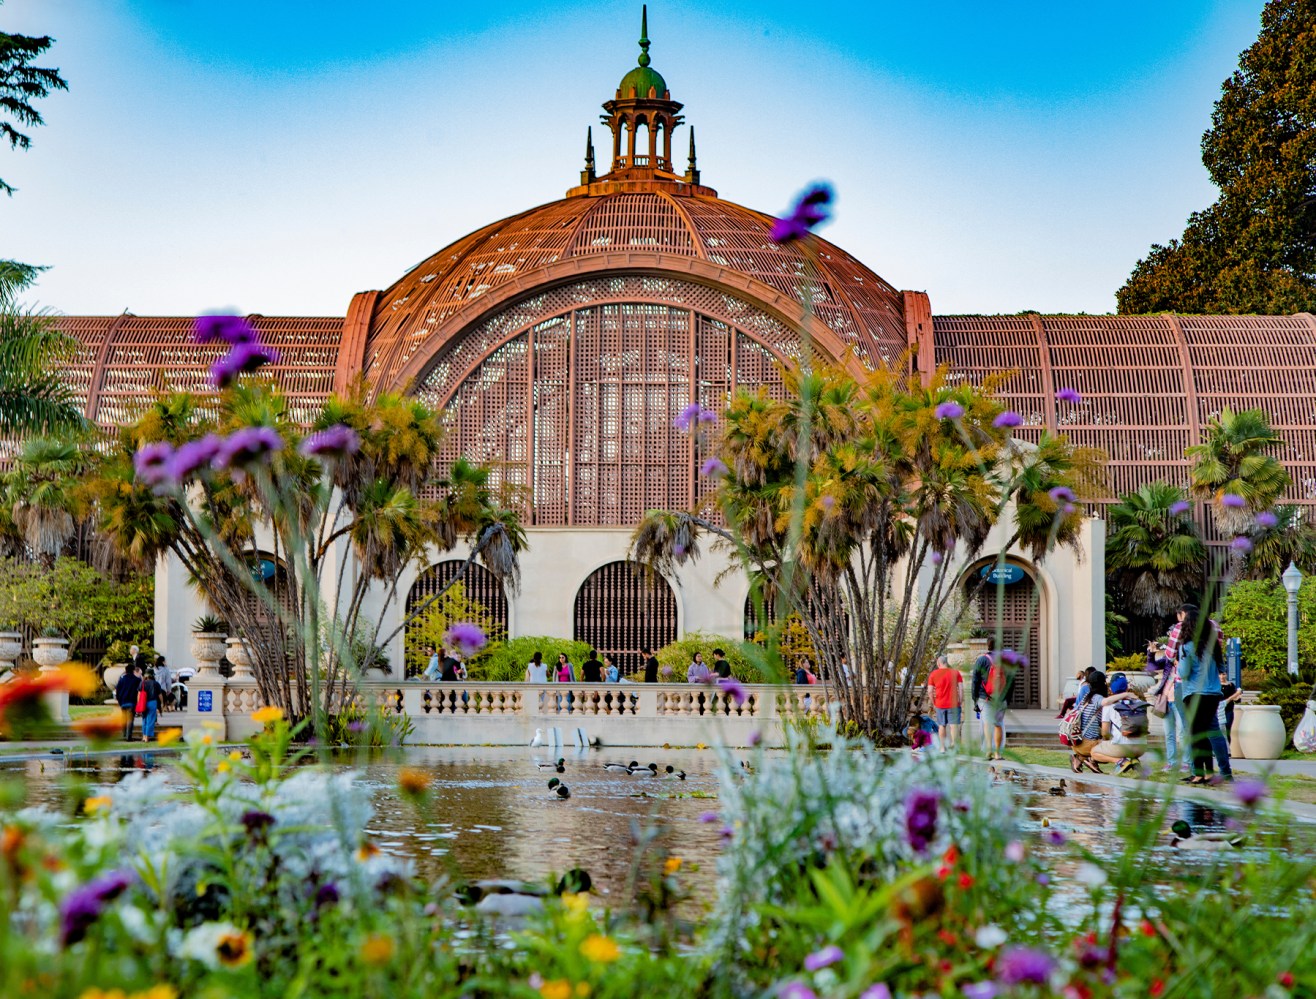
{"points": [[947, 937], [1157, 988], [966, 880], [943, 872], [1148, 930], [951, 856], [1286, 979]]}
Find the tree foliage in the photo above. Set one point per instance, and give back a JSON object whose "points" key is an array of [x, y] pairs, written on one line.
{"points": [[82, 603], [1256, 612], [1236, 457], [1292, 539], [853, 501], [34, 396], [1254, 250], [21, 84], [1155, 558], [431, 624]]}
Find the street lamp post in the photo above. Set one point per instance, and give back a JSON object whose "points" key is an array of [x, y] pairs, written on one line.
{"points": [[1292, 583]]}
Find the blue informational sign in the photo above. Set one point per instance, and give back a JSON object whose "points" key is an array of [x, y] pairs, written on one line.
{"points": [[1002, 575], [205, 700], [1234, 657]]}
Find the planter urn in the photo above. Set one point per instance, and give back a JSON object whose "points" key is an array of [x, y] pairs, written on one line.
{"points": [[208, 650], [50, 653], [11, 644], [239, 656], [1259, 730]]}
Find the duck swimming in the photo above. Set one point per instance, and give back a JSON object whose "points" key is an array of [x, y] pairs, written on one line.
{"points": [[562, 790], [1185, 838], [1059, 790], [650, 771], [621, 767], [560, 766], [673, 772]]}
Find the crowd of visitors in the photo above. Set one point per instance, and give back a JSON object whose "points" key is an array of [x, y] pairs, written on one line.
{"points": [[146, 690]]}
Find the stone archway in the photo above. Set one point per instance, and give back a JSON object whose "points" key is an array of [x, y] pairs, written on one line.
{"points": [[620, 609], [1012, 608], [481, 586]]}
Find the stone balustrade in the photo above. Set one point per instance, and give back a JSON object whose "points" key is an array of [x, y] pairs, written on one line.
{"points": [[472, 713]]}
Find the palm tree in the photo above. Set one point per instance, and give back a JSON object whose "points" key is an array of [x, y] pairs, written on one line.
{"points": [[1155, 558], [34, 398], [1235, 458], [43, 489], [1292, 539]]}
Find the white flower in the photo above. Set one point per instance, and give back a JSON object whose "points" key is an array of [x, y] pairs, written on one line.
{"points": [[202, 943], [989, 937], [1090, 875]]}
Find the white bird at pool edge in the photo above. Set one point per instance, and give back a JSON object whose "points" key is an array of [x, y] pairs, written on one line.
{"points": [[538, 740]]}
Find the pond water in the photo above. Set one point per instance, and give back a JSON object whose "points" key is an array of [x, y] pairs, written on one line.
{"points": [[491, 815]]}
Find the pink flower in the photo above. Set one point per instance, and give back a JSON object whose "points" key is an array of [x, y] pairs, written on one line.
{"points": [[1024, 965], [1014, 851]]}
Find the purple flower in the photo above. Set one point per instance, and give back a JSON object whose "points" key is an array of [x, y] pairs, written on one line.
{"points": [[1068, 509], [1043, 879], [824, 958], [733, 687], [83, 906], [224, 329], [980, 990], [1062, 494], [678, 549], [1055, 837], [1068, 395], [256, 823], [692, 414], [878, 991], [151, 463], [707, 416], [796, 990], [1266, 519], [1233, 501], [713, 466], [337, 441], [726, 832], [1014, 658], [193, 456], [242, 358], [708, 817], [1180, 508], [755, 737], [921, 818], [326, 894], [828, 502], [948, 411], [937, 558], [1249, 792], [1008, 419], [1241, 544], [809, 211], [356, 726], [247, 445], [1023, 965], [467, 637]]}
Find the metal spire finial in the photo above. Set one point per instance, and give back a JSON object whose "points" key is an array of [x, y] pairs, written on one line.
{"points": [[692, 148], [589, 148], [644, 35]]}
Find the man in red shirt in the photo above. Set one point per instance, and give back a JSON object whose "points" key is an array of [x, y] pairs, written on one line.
{"points": [[945, 690]]}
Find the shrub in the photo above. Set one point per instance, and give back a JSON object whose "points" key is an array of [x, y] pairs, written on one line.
{"points": [[748, 661], [504, 662], [1256, 612], [1127, 664], [1290, 693]]}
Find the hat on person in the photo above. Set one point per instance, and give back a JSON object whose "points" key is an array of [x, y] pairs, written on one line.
{"points": [[1119, 684]]}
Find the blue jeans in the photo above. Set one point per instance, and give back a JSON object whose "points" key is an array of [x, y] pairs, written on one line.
{"points": [[148, 720], [1178, 744]]}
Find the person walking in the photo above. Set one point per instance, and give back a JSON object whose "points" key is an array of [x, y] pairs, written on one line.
{"points": [[990, 685], [125, 695], [165, 677], [1168, 693], [1201, 690], [433, 668], [650, 665], [946, 692], [154, 695]]}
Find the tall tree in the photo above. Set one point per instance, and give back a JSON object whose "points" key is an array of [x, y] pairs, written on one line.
{"points": [[1292, 538], [22, 83], [33, 395], [1154, 555], [1254, 250], [1234, 463]]}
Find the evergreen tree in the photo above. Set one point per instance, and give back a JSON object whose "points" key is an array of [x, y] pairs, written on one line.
{"points": [[21, 83], [1254, 250]]}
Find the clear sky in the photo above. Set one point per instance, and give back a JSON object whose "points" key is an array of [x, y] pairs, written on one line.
{"points": [[276, 156]]}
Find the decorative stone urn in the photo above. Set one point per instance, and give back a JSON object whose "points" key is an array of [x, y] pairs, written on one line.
{"points": [[11, 644], [1259, 730], [239, 657], [50, 653], [111, 675], [208, 650]]}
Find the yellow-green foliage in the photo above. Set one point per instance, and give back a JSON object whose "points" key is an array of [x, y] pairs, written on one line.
{"points": [[454, 607]]}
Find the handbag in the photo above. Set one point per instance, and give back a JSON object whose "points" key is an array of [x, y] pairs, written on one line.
{"points": [[1159, 696], [141, 701]]}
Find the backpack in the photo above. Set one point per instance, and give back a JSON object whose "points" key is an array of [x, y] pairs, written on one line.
{"points": [[981, 668], [1133, 718], [1071, 727]]}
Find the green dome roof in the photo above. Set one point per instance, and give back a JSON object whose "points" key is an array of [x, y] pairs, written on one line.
{"points": [[642, 78]]}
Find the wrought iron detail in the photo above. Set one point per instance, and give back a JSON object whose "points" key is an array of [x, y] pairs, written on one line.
{"points": [[620, 609]]}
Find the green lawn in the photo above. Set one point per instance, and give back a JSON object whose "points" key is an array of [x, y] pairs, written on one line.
{"points": [[77, 711]]}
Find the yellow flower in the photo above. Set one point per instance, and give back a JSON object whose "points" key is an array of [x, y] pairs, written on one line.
{"points": [[413, 782], [234, 949], [207, 739], [366, 850], [165, 737], [97, 803], [265, 715], [377, 949], [582, 989], [78, 679], [235, 755], [162, 991], [576, 904], [94, 993], [224, 766], [700, 745], [600, 949], [558, 988], [672, 865]]}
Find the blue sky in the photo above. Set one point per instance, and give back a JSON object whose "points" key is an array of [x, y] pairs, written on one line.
{"points": [[276, 156]]}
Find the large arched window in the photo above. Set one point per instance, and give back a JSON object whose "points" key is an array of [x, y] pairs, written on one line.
{"points": [[620, 609], [481, 586], [570, 397]]}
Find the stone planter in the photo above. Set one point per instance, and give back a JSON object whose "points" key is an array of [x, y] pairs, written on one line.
{"points": [[1259, 731], [239, 657], [111, 677], [207, 650], [11, 644], [50, 653]]}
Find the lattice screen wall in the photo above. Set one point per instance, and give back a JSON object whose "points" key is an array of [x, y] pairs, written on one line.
{"points": [[571, 395], [621, 609]]}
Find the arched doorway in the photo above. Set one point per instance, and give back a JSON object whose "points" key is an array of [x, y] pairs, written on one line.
{"points": [[1009, 604], [620, 609], [481, 586]]}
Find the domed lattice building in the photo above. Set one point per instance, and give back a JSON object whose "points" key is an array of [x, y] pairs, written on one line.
{"points": [[561, 342]]}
